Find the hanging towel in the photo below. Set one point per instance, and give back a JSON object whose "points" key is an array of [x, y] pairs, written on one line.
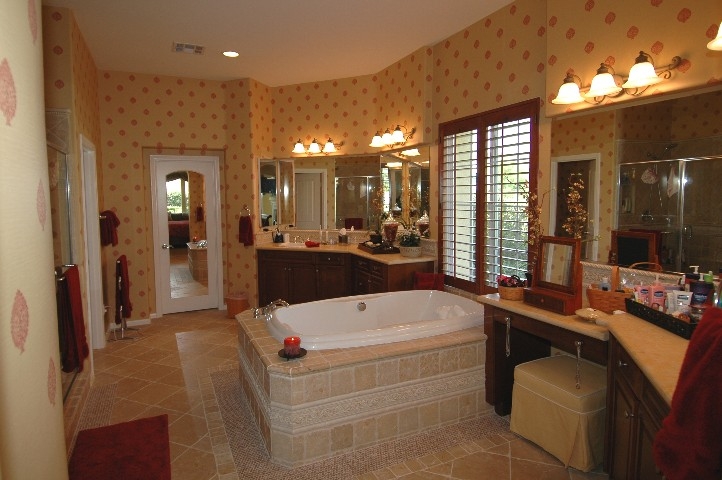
{"points": [[199, 213], [109, 228], [122, 290], [71, 324], [245, 229], [689, 444]]}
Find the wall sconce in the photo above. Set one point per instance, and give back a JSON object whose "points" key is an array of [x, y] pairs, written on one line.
{"points": [[716, 44], [604, 84], [315, 148], [389, 139]]}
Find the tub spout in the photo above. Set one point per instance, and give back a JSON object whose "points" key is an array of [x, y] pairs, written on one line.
{"points": [[268, 309]]}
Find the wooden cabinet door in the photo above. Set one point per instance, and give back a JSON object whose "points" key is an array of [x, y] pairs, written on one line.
{"points": [[301, 283], [623, 425], [331, 282], [273, 281]]}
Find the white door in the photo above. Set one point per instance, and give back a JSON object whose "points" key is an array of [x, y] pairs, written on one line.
{"points": [[188, 273], [310, 187]]}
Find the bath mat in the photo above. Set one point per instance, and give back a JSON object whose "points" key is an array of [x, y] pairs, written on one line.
{"points": [[252, 459], [139, 449]]}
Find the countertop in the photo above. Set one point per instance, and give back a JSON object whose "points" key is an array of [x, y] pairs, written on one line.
{"points": [[657, 352], [350, 248]]}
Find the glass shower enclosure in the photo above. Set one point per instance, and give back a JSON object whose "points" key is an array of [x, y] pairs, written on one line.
{"points": [[679, 199]]}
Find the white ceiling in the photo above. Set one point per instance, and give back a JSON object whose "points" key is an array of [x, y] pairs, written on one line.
{"points": [[281, 42]]}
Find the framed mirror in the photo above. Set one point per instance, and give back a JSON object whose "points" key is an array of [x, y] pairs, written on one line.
{"points": [[276, 192], [557, 284]]}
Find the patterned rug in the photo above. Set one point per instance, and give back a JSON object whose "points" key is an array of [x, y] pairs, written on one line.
{"points": [[252, 459]]}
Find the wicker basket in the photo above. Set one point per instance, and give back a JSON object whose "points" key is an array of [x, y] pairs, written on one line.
{"points": [[607, 301], [511, 293]]}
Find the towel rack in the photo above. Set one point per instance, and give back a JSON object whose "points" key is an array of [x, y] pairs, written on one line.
{"points": [[247, 210], [60, 271], [102, 217], [123, 323]]}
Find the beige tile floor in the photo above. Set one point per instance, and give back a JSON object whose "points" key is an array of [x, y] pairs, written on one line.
{"points": [[167, 370], [182, 283]]}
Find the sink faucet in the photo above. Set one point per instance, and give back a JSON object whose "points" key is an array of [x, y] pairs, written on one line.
{"points": [[268, 309]]}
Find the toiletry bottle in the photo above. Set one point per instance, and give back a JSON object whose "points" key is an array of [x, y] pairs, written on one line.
{"points": [[698, 303], [604, 285], [657, 295], [641, 294], [691, 277]]}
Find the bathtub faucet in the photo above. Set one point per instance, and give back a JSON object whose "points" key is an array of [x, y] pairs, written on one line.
{"points": [[268, 309]]}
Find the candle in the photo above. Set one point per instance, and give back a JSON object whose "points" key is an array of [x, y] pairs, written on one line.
{"points": [[292, 346]]}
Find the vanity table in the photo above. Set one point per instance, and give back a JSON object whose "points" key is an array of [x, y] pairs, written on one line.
{"points": [[520, 333]]}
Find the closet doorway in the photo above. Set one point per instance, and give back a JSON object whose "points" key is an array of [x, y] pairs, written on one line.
{"points": [[186, 232]]}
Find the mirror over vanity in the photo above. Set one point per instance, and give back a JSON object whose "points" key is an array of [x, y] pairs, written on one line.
{"points": [[343, 191]]}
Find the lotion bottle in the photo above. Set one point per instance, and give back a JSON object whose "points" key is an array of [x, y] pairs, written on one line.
{"points": [[657, 295]]}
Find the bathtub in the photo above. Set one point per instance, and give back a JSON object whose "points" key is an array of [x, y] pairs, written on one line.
{"points": [[375, 319]]}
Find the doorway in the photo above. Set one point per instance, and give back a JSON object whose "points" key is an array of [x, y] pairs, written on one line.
{"points": [[186, 232], [310, 199]]}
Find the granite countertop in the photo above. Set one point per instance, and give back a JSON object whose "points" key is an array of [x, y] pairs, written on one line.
{"points": [[657, 352], [350, 248]]}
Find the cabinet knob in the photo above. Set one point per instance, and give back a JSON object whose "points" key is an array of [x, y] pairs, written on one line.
{"points": [[628, 415], [621, 364]]}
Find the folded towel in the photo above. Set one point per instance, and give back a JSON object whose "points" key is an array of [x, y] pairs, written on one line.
{"points": [[310, 243], [245, 230], [108, 228], [689, 444]]}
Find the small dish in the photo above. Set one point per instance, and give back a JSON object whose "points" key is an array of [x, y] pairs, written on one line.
{"points": [[282, 354], [590, 314]]}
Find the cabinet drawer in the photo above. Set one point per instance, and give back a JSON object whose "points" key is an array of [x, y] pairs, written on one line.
{"points": [[626, 370], [330, 259], [362, 264], [376, 269], [287, 257]]}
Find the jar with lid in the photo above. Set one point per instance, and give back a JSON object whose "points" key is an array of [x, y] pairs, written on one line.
{"points": [[422, 224]]}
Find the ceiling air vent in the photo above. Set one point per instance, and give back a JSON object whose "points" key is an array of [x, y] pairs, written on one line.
{"points": [[179, 47]]}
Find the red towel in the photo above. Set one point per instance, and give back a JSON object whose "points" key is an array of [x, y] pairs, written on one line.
{"points": [[109, 224], [122, 290], [689, 444], [245, 230], [71, 324], [199, 214]]}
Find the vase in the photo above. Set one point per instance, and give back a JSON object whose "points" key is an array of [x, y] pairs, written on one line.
{"points": [[410, 251]]}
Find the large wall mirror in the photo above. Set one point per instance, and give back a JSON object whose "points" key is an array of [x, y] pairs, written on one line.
{"points": [[276, 192]]}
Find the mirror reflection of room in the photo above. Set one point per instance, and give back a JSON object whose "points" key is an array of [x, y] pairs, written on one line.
{"points": [[185, 199]]}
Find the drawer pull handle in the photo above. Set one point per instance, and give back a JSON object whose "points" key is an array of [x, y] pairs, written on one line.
{"points": [[621, 364], [628, 415], [578, 374]]}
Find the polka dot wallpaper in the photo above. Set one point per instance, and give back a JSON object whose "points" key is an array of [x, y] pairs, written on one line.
{"points": [[518, 53]]}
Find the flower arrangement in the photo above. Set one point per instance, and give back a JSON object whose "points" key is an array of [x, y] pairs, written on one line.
{"points": [[533, 210], [409, 238], [576, 223], [510, 281]]}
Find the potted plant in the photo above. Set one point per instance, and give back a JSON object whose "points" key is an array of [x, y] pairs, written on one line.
{"points": [[409, 242]]}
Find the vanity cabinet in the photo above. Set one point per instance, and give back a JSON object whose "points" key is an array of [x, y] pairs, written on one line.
{"points": [[299, 277], [515, 339], [634, 415], [371, 276]]}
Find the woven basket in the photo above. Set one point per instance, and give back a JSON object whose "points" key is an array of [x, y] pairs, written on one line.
{"points": [[511, 293], [607, 301]]}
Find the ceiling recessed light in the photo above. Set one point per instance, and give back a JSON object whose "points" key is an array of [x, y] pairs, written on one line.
{"points": [[231, 54]]}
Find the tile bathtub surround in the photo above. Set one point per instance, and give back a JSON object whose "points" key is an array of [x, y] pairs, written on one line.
{"points": [[214, 438], [334, 401]]}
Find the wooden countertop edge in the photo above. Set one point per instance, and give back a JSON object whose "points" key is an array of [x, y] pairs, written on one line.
{"points": [[352, 249], [657, 352]]}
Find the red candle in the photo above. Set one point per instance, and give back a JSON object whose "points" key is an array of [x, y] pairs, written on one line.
{"points": [[292, 346]]}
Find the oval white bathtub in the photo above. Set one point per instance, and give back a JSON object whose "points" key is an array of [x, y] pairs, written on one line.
{"points": [[387, 317]]}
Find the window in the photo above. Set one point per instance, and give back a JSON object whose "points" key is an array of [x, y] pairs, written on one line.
{"points": [[487, 163]]}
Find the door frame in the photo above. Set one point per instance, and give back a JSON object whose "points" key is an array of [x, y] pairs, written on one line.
{"points": [[323, 198], [212, 216], [91, 239]]}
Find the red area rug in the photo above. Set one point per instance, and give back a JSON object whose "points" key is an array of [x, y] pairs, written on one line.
{"points": [[139, 449]]}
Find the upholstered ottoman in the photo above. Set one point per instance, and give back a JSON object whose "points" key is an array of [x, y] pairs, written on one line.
{"points": [[549, 410]]}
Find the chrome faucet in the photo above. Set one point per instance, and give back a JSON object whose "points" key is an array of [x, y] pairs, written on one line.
{"points": [[268, 309]]}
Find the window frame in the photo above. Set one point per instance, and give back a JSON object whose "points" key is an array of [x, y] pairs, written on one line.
{"points": [[479, 122]]}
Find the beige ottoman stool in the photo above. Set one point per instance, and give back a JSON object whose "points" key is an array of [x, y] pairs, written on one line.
{"points": [[549, 410]]}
